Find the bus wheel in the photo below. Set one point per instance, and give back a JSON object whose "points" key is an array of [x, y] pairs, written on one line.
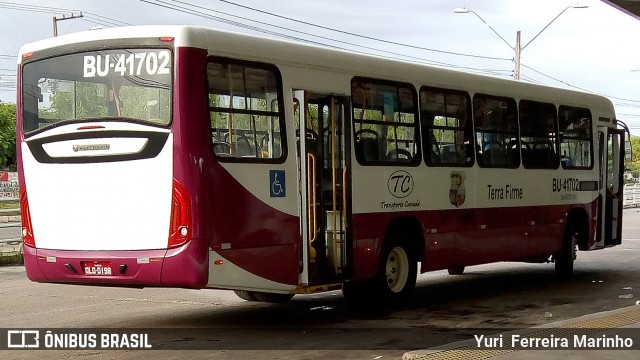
{"points": [[272, 297], [456, 270], [246, 295], [397, 273], [565, 258]]}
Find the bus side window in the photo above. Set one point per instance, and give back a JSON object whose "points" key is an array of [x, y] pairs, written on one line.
{"points": [[385, 122], [446, 127], [539, 135], [496, 127], [246, 114], [575, 137]]}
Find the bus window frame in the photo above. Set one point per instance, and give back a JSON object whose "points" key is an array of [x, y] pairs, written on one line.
{"points": [[416, 160], [103, 45], [556, 141], [281, 113], [468, 130], [590, 138], [514, 150]]}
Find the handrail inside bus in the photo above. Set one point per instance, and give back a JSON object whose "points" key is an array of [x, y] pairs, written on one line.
{"points": [[311, 191], [334, 167], [344, 196]]}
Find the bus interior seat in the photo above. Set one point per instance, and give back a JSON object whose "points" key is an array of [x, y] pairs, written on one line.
{"points": [[400, 155], [448, 155], [367, 147]]}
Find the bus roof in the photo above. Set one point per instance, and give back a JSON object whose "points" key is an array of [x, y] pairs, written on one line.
{"points": [[278, 51]]}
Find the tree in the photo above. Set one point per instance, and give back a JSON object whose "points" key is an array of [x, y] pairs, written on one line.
{"points": [[7, 135], [634, 164]]}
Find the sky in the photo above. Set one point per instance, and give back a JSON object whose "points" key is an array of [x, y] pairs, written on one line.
{"points": [[594, 49]]}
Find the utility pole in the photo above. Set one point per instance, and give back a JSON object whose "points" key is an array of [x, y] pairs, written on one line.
{"points": [[518, 49], [64, 17]]}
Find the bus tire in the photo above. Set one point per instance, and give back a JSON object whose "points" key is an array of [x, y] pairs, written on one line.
{"points": [[397, 272], [566, 257], [456, 270], [246, 295], [272, 297]]}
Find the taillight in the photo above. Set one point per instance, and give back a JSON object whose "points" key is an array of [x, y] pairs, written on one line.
{"points": [[25, 215], [180, 230]]}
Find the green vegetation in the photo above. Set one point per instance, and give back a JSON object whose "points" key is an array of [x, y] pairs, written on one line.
{"points": [[634, 164], [11, 259], [13, 204], [7, 135]]}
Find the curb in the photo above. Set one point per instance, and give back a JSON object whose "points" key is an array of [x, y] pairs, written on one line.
{"points": [[11, 247], [9, 224], [468, 349], [10, 219]]}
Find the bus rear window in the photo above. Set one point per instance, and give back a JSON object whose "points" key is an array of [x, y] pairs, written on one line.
{"points": [[124, 84]]}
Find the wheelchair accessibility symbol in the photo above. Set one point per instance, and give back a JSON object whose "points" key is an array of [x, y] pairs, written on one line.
{"points": [[278, 186]]}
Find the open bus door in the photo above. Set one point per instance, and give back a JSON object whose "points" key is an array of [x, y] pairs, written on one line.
{"points": [[324, 186], [612, 151]]}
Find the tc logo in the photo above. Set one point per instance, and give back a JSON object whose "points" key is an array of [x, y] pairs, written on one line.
{"points": [[400, 184]]}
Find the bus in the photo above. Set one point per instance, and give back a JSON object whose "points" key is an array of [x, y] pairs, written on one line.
{"points": [[190, 157]]}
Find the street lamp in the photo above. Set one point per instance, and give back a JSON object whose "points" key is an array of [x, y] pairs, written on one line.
{"points": [[518, 48]]}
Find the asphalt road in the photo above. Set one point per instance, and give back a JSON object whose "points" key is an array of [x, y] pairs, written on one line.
{"points": [[445, 308]]}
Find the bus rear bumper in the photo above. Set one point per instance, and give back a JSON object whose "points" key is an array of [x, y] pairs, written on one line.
{"points": [[184, 266]]}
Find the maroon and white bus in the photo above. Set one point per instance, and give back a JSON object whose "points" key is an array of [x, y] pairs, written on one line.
{"points": [[182, 156]]}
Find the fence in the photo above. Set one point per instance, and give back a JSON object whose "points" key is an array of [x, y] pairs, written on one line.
{"points": [[10, 246], [11, 241], [8, 186], [631, 195]]}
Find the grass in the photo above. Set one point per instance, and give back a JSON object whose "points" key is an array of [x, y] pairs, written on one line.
{"points": [[11, 204], [13, 259]]}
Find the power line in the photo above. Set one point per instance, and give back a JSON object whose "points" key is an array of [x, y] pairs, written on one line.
{"points": [[195, 12], [34, 8], [113, 22], [577, 87], [185, 10], [530, 79], [106, 21], [90, 17], [338, 31], [191, 11]]}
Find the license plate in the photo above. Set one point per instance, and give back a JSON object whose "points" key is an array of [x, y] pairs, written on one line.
{"points": [[97, 268]]}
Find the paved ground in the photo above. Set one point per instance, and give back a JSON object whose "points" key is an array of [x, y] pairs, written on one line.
{"points": [[623, 322], [586, 337]]}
